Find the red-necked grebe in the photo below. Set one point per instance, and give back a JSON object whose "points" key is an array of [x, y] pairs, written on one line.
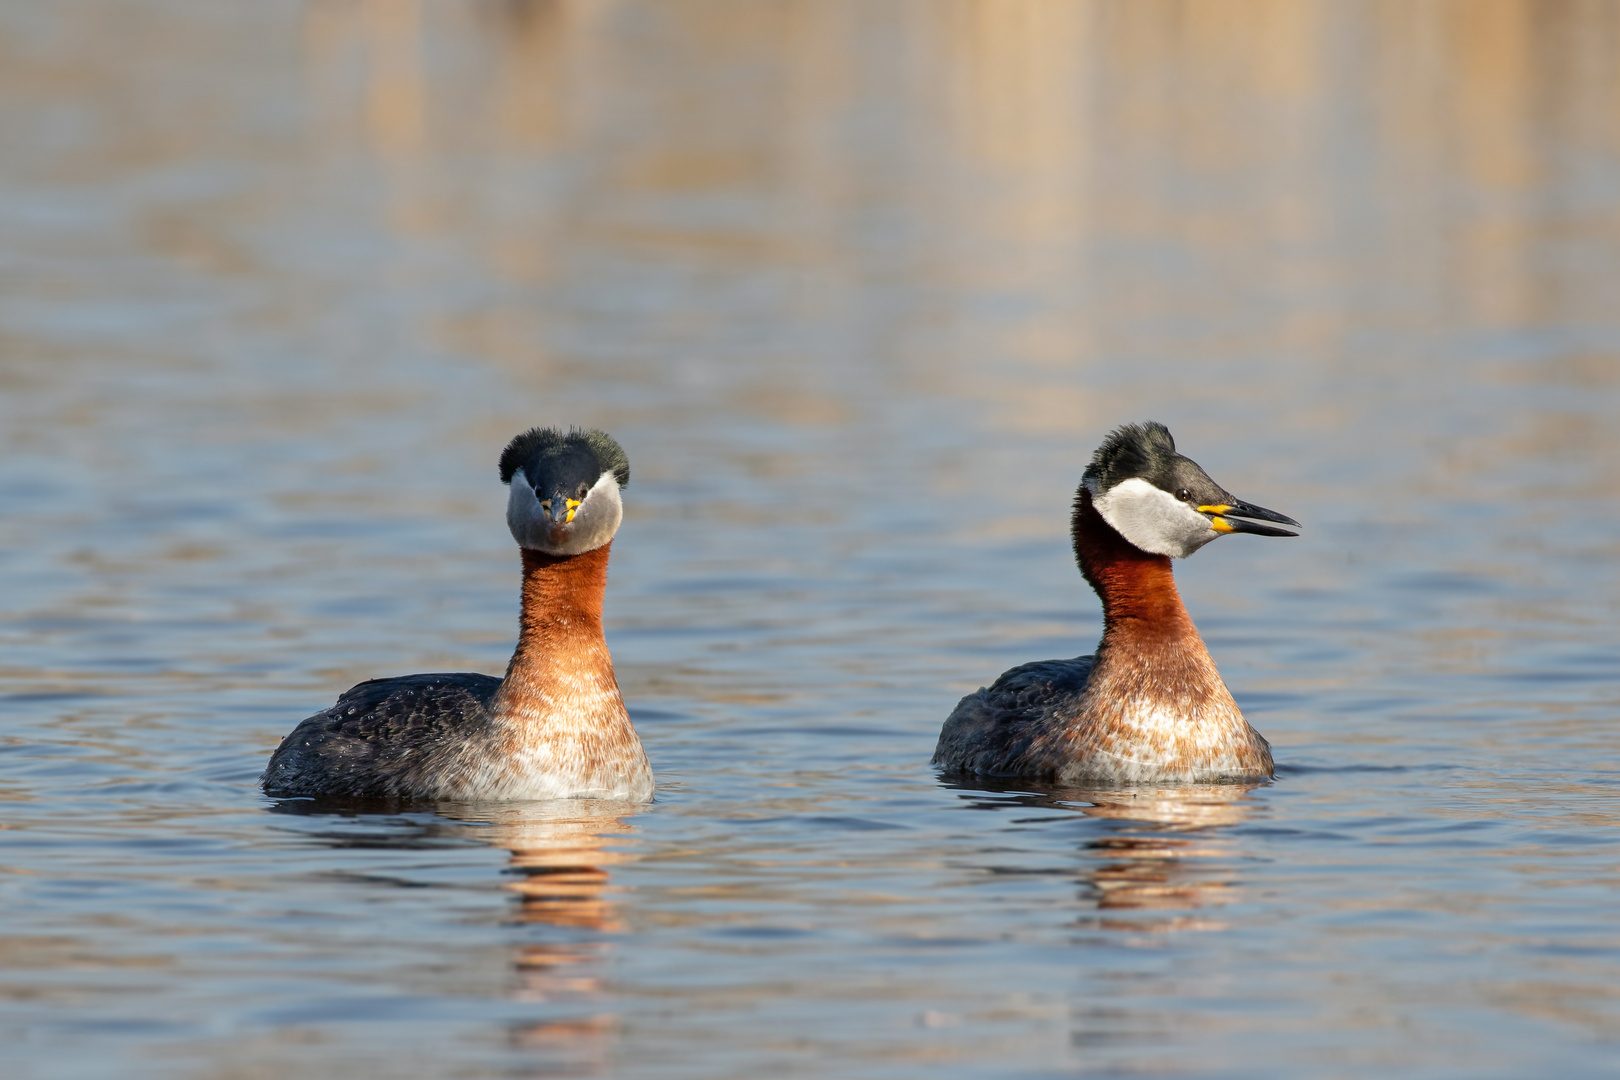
{"points": [[1149, 706], [555, 727]]}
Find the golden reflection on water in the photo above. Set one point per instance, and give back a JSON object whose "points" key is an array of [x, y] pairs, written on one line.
{"points": [[1001, 201], [560, 855], [1178, 860], [1169, 850], [1172, 854], [1046, 128]]}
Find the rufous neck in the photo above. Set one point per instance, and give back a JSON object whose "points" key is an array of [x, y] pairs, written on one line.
{"points": [[1138, 589], [562, 604]]}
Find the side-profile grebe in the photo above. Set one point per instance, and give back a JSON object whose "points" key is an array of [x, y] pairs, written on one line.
{"points": [[1149, 706], [555, 727]]}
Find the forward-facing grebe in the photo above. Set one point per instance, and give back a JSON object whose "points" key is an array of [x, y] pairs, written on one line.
{"points": [[1149, 706], [555, 727]]}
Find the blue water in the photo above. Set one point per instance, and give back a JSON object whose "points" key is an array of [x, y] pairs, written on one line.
{"points": [[859, 287]]}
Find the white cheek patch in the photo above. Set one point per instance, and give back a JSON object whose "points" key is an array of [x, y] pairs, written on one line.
{"points": [[1153, 519], [595, 521], [524, 514]]}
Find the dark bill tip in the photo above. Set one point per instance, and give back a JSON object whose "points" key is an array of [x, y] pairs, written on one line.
{"points": [[1239, 526], [1260, 513]]}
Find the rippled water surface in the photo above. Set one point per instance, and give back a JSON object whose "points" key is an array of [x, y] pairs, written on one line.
{"points": [[859, 286]]}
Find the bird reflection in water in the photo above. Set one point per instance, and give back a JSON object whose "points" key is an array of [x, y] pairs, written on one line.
{"points": [[559, 858], [1169, 853], [564, 912], [1164, 851], [559, 873]]}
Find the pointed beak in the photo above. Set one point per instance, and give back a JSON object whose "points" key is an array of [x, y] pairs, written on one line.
{"points": [[559, 510], [1224, 517]]}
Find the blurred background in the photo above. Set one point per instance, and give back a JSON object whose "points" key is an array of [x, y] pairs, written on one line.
{"points": [[859, 286]]}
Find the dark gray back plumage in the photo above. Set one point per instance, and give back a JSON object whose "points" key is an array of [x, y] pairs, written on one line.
{"points": [[383, 738], [992, 728]]}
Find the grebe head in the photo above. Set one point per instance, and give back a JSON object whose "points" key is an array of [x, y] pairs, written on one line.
{"points": [[1163, 502], [565, 489]]}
